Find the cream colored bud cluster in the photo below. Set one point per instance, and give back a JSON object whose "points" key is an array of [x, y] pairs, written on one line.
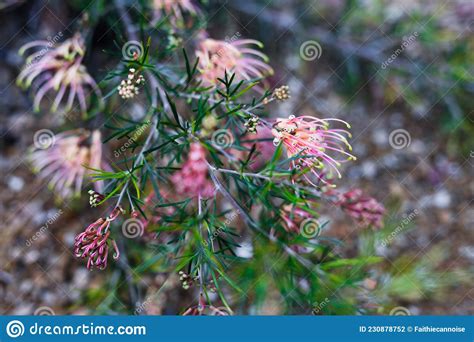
{"points": [[252, 124], [282, 93], [95, 198], [129, 88], [187, 280]]}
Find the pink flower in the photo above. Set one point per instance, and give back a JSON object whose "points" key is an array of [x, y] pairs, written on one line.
{"points": [[192, 179], [313, 145], [218, 56], [58, 69], [366, 210], [93, 243], [174, 8], [63, 162]]}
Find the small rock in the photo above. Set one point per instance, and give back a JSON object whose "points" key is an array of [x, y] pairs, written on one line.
{"points": [[32, 256], [22, 310], [442, 199], [380, 137], [369, 169], [15, 183], [81, 278], [467, 252]]}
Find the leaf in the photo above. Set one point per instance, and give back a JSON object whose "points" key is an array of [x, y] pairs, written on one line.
{"points": [[351, 262]]}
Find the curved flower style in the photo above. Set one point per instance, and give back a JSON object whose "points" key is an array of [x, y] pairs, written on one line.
{"points": [[58, 69], [63, 162], [192, 179], [313, 144], [366, 210], [175, 8], [93, 243], [218, 56]]}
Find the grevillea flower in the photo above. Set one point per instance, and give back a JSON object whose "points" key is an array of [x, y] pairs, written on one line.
{"points": [[313, 145], [366, 210], [193, 178], [58, 69], [93, 243], [217, 57], [63, 161], [174, 8]]}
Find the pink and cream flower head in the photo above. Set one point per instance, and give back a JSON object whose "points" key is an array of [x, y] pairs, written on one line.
{"points": [[63, 163], [58, 69], [313, 145], [175, 8], [218, 56]]}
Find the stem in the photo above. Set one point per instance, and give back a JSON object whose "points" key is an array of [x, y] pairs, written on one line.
{"points": [[200, 275], [138, 160], [247, 174], [248, 219], [245, 110]]}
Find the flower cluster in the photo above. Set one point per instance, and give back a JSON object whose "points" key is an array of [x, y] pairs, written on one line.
{"points": [[192, 179], [95, 198], [282, 93], [93, 243], [174, 8], [60, 70], [217, 57], [251, 124], [310, 143], [129, 88], [366, 210], [64, 161]]}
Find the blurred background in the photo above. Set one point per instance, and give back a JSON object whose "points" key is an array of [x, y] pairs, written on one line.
{"points": [[401, 72]]}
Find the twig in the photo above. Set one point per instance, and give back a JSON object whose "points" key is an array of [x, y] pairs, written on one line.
{"points": [[250, 222]]}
